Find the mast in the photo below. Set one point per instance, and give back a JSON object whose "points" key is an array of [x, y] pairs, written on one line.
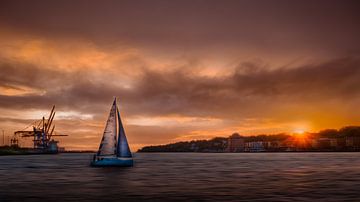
{"points": [[115, 129]]}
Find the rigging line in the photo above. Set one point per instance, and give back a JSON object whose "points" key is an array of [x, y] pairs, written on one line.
{"points": [[31, 124]]}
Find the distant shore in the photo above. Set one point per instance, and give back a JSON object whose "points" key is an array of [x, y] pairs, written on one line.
{"points": [[11, 150], [346, 139], [305, 151], [14, 150]]}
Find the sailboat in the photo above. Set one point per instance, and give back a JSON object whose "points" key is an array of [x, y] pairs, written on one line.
{"points": [[114, 148]]}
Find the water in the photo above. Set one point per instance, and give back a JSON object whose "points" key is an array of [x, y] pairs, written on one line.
{"points": [[184, 176]]}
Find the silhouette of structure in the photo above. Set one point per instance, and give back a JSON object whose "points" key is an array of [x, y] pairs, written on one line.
{"points": [[235, 143]]}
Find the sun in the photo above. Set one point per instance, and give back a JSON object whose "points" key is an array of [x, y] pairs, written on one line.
{"points": [[299, 131]]}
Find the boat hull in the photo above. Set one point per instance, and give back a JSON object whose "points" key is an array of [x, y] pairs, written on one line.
{"points": [[112, 162]]}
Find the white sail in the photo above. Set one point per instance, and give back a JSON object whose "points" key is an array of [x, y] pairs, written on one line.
{"points": [[123, 149], [108, 142]]}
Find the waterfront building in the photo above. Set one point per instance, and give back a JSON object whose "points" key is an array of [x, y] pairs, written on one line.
{"points": [[334, 142], [194, 147], [257, 146], [314, 143], [352, 142], [323, 143], [341, 143], [235, 143]]}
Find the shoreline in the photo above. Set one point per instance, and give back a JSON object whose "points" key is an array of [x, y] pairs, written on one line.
{"points": [[318, 151]]}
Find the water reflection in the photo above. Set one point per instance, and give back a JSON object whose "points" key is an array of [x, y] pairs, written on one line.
{"points": [[184, 176]]}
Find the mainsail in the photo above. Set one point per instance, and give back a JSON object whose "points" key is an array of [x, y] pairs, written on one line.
{"points": [[122, 149], [108, 142]]}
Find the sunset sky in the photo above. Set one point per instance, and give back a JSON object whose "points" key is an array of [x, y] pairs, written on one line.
{"points": [[181, 70]]}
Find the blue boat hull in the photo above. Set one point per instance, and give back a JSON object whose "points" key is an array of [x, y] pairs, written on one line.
{"points": [[112, 162]]}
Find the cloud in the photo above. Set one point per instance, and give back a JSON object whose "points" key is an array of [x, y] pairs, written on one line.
{"points": [[286, 96], [184, 92], [181, 92], [224, 28], [179, 69]]}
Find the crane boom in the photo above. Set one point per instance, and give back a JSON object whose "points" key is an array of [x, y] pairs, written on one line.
{"points": [[51, 118], [43, 131]]}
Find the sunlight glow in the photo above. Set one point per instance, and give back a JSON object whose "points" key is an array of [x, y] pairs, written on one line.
{"points": [[73, 115], [20, 90], [172, 121], [299, 131]]}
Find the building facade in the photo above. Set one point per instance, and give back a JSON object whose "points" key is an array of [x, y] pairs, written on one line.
{"points": [[235, 143]]}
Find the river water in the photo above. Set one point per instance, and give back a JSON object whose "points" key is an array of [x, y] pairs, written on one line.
{"points": [[184, 177]]}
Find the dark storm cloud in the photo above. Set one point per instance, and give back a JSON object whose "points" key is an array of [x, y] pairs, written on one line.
{"points": [[69, 90], [247, 93], [242, 93], [328, 79], [15, 73], [277, 26], [14, 120]]}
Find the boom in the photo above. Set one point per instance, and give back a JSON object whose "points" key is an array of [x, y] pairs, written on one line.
{"points": [[41, 132]]}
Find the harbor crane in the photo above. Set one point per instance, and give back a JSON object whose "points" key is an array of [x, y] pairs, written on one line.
{"points": [[43, 132]]}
